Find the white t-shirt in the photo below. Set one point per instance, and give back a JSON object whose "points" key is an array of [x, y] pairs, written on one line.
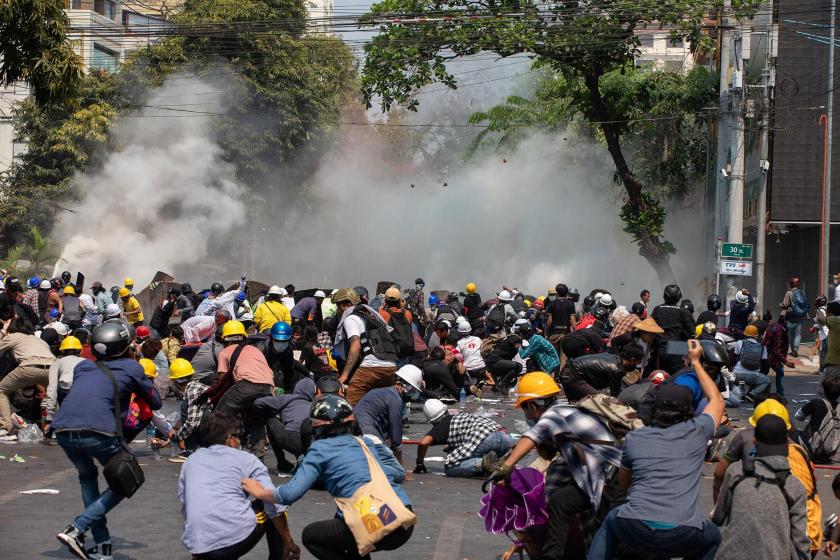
{"points": [[737, 350], [470, 348], [355, 326]]}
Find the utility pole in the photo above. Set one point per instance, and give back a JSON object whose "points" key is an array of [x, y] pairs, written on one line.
{"points": [[767, 82], [735, 221], [825, 265], [723, 131]]}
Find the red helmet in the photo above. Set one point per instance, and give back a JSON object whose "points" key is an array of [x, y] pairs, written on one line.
{"points": [[658, 377], [143, 332], [538, 304]]}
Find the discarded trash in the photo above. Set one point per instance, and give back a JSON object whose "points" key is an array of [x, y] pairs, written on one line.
{"points": [[173, 417], [18, 459], [795, 401], [30, 434], [51, 491], [434, 459], [487, 412]]}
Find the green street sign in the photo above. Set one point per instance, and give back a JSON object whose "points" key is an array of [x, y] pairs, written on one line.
{"points": [[736, 250]]}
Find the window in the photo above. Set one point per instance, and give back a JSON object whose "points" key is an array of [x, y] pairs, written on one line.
{"points": [[106, 8], [104, 58]]}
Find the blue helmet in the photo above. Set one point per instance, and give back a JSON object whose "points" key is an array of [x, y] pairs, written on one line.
{"points": [[433, 300], [281, 331], [33, 282], [240, 297]]}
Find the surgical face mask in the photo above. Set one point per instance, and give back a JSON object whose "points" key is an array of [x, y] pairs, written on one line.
{"points": [[279, 346], [552, 297]]}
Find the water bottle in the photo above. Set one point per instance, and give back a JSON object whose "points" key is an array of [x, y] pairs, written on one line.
{"points": [[462, 401], [150, 434], [742, 386]]}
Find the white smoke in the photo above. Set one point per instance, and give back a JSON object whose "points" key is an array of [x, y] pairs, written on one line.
{"points": [[160, 199]]}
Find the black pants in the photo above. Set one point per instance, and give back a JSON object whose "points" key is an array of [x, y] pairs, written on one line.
{"points": [[333, 540], [504, 372], [283, 440], [238, 400], [243, 547]]}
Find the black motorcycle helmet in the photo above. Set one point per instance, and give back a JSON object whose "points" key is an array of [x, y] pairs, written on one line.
{"points": [[601, 313], [452, 297], [574, 295], [714, 353], [419, 282], [672, 294], [714, 302], [186, 288], [110, 339], [66, 276], [821, 300], [588, 302], [216, 288], [525, 331], [687, 304], [330, 415]]}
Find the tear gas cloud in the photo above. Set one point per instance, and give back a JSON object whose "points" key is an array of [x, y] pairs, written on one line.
{"points": [[530, 217], [161, 198]]}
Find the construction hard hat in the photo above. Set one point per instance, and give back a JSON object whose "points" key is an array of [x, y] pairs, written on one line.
{"points": [[698, 330], [412, 375], [70, 343], [275, 291], [319, 294], [281, 331], [180, 367], [658, 376], [143, 332], [232, 329], [345, 295], [751, 330], [470, 288], [464, 327], [770, 406], [33, 282], [535, 385], [149, 368], [393, 294], [46, 285], [124, 292], [606, 300], [505, 295], [434, 410], [128, 282], [69, 291], [433, 300], [741, 297]]}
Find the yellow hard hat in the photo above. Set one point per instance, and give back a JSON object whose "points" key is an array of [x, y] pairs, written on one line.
{"points": [[697, 330], [124, 292], [233, 328], [535, 385], [770, 406], [541, 298], [527, 303], [70, 343], [470, 288], [149, 368], [128, 282], [181, 368], [69, 291]]}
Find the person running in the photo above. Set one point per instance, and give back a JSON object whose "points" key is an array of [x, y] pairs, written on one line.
{"points": [[223, 524], [775, 340], [795, 309], [661, 466], [344, 464], [474, 444], [84, 427], [131, 307]]}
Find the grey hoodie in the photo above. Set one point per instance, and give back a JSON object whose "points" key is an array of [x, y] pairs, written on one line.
{"points": [[760, 524]]}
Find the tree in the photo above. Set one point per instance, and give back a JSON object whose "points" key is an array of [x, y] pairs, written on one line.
{"points": [[34, 49], [36, 256], [581, 42]]}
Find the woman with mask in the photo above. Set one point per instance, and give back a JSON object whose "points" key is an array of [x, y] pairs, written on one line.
{"points": [[341, 462]]}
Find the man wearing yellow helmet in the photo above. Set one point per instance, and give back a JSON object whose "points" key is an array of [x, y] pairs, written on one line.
{"points": [[131, 307], [185, 379], [588, 448], [61, 375]]}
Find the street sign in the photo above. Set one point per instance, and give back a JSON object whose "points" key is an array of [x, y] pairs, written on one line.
{"points": [[736, 268], [736, 250]]}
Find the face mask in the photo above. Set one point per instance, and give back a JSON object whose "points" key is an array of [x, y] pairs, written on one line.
{"points": [[279, 346], [552, 298]]}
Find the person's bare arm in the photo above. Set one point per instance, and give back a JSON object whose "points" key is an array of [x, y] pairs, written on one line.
{"points": [[522, 448], [423, 448], [715, 406], [572, 322], [291, 551], [548, 322], [352, 357]]}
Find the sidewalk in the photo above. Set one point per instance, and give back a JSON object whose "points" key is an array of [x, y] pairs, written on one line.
{"points": [[805, 364]]}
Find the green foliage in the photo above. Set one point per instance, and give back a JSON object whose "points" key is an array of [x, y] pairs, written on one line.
{"points": [[38, 251], [645, 219], [34, 49]]}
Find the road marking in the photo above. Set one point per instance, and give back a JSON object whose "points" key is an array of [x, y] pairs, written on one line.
{"points": [[45, 482], [450, 537]]}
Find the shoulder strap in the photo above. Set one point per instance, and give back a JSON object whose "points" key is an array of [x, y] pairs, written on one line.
{"points": [[117, 412], [235, 356]]}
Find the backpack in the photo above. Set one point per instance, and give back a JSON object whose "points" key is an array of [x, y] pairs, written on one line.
{"points": [[489, 343], [495, 319], [751, 353], [620, 417], [402, 333], [748, 472], [798, 304], [825, 442], [803, 470], [376, 339]]}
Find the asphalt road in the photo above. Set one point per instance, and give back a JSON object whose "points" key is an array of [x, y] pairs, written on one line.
{"points": [[148, 527]]}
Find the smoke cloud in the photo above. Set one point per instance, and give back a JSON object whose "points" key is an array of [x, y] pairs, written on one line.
{"points": [[160, 200]]}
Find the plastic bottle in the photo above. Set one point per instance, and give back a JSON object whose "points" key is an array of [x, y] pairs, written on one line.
{"points": [[743, 387], [150, 434], [462, 401]]}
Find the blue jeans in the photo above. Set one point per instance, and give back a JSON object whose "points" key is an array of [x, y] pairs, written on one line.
{"points": [[499, 442], [82, 448], [681, 541], [780, 374], [794, 335], [757, 383]]}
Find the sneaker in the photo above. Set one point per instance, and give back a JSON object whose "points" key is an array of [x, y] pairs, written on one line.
{"points": [[101, 552], [5, 435], [180, 457], [17, 421], [795, 354], [490, 463], [475, 391], [748, 399], [74, 541]]}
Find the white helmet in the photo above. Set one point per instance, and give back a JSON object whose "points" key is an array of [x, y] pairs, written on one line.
{"points": [[320, 294], [464, 327], [741, 297], [504, 295], [411, 375], [45, 285], [461, 319], [112, 310], [275, 291], [606, 300], [598, 295], [434, 410]]}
